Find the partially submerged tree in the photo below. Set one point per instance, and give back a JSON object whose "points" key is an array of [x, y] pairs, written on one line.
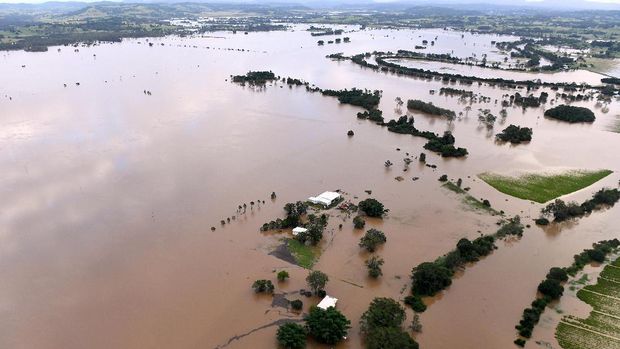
{"points": [[327, 326], [317, 280], [372, 207], [374, 266], [292, 336], [263, 286], [372, 239]]}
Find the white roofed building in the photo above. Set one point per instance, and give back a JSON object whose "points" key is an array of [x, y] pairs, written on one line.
{"points": [[327, 302], [298, 230], [326, 199]]}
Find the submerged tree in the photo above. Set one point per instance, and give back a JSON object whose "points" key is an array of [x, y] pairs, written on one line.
{"points": [[317, 280], [374, 266]]}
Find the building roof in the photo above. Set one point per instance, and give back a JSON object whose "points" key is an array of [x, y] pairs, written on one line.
{"points": [[299, 230], [327, 302], [330, 195], [325, 198]]}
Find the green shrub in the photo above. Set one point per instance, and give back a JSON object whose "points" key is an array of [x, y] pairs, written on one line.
{"points": [[283, 275], [263, 286], [374, 266], [359, 222], [297, 304]]}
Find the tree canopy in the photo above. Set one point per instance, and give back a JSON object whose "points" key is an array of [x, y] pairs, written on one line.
{"points": [[429, 278], [570, 114], [372, 239], [292, 336], [372, 207], [327, 326], [317, 280]]}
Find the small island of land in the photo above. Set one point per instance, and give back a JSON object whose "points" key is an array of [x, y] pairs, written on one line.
{"points": [[543, 187]]}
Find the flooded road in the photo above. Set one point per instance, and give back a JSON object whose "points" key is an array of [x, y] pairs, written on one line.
{"points": [[109, 193]]}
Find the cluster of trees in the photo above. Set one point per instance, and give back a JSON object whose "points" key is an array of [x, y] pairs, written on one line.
{"points": [[515, 134], [382, 326], [570, 114], [530, 49], [444, 145], [615, 81], [511, 226], [368, 100], [316, 227], [552, 287], [294, 213], [372, 207], [404, 125], [375, 115], [263, 286], [327, 31], [362, 98], [384, 65], [597, 253], [561, 211], [255, 77], [429, 108], [449, 91], [296, 82], [529, 100], [428, 278], [328, 326]]}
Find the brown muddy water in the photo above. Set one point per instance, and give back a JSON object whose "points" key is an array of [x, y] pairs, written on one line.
{"points": [[109, 193]]}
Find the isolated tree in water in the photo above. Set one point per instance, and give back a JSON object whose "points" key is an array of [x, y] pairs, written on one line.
{"points": [[317, 280]]}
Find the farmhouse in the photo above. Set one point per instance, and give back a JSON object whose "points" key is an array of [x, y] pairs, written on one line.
{"points": [[325, 199]]}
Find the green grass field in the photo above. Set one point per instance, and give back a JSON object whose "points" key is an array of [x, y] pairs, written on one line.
{"points": [[304, 255], [601, 329], [543, 187]]}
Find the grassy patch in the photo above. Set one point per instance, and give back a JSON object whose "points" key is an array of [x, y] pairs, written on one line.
{"points": [[543, 187], [304, 255], [469, 200], [601, 329]]}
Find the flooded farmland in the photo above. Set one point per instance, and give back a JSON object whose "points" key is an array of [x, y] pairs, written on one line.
{"points": [[110, 192]]}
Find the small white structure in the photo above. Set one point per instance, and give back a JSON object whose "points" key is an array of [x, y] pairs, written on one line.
{"points": [[327, 302], [298, 230], [325, 199]]}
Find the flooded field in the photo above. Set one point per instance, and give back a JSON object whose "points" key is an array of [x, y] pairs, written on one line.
{"points": [[110, 192]]}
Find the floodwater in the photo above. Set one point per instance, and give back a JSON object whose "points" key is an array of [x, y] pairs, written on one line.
{"points": [[109, 193]]}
